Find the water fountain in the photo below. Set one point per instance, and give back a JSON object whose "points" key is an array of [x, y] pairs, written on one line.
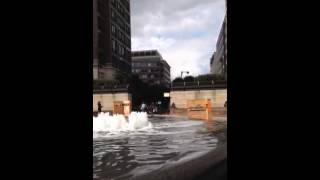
{"points": [[136, 146]]}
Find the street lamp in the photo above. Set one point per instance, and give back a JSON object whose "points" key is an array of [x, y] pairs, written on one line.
{"points": [[184, 72]]}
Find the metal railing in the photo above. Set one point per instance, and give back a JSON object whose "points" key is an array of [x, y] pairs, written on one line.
{"points": [[111, 88], [198, 85]]}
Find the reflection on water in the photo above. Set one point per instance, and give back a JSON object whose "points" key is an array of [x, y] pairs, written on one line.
{"points": [[122, 155]]}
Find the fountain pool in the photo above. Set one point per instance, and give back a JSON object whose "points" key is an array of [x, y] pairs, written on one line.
{"points": [[124, 149]]}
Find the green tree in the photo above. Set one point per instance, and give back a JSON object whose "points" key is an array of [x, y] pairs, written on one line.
{"points": [[121, 78], [178, 79], [189, 79], [210, 77]]}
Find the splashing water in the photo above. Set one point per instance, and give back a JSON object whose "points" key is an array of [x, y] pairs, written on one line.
{"points": [[107, 123]]}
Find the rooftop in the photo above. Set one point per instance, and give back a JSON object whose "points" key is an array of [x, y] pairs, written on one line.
{"points": [[146, 53]]}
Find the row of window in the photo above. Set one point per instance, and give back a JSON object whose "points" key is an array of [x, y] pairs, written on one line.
{"points": [[119, 49], [146, 70], [115, 31], [117, 4], [122, 25], [143, 64], [120, 35], [120, 21], [144, 53], [126, 4], [103, 12], [150, 76], [122, 13]]}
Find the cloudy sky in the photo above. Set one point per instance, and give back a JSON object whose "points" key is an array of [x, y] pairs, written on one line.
{"points": [[183, 31]]}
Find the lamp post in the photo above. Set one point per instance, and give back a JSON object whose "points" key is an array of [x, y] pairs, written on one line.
{"points": [[184, 72]]}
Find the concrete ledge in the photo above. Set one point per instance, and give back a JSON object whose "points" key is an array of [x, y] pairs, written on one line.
{"points": [[216, 112], [182, 116], [211, 165]]}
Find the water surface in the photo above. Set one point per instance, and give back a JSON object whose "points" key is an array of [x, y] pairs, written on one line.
{"points": [[121, 155]]}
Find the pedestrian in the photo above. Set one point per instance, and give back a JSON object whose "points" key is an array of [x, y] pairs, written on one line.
{"points": [[143, 107], [150, 107], [173, 107], [155, 109], [99, 107]]}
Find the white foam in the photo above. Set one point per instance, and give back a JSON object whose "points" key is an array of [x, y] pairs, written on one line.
{"points": [[107, 123]]}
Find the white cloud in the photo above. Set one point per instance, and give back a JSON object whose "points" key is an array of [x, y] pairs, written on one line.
{"points": [[184, 31], [159, 43]]}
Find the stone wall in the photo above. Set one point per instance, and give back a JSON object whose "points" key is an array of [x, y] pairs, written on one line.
{"points": [[180, 98], [107, 100]]}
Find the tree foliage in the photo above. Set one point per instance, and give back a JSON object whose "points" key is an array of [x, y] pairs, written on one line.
{"points": [[189, 79], [178, 79], [201, 78]]}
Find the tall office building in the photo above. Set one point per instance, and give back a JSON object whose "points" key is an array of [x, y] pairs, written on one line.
{"points": [[219, 59], [111, 38], [218, 62], [151, 67], [211, 63]]}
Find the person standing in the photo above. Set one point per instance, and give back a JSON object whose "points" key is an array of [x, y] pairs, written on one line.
{"points": [[155, 108], [173, 107], [143, 107], [99, 107]]}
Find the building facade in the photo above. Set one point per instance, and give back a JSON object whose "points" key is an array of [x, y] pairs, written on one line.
{"points": [[151, 67], [211, 63], [218, 61], [111, 38]]}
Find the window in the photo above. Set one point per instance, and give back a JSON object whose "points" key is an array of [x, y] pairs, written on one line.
{"points": [[113, 29], [119, 49], [117, 31], [101, 75], [117, 5], [113, 45], [112, 13]]}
